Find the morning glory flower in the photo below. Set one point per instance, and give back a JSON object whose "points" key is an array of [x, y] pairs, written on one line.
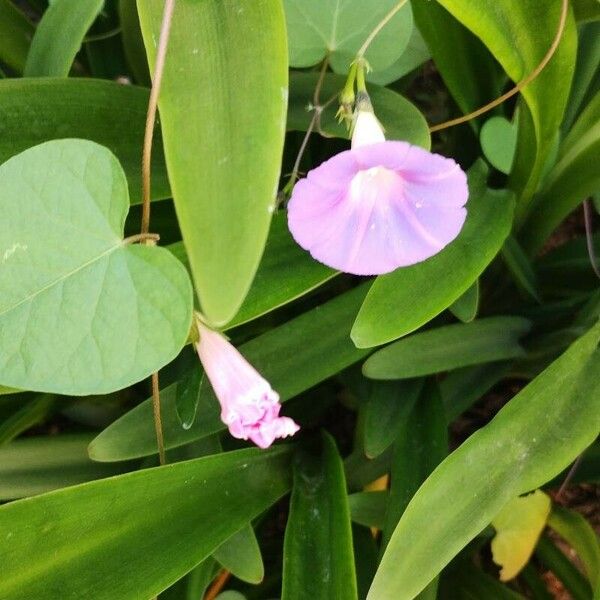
{"points": [[249, 407], [380, 205]]}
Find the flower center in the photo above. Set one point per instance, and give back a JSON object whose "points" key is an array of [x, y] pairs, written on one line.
{"points": [[371, 183]]}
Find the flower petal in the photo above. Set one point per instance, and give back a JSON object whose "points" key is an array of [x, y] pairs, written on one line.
{"points": [[402, 206]]}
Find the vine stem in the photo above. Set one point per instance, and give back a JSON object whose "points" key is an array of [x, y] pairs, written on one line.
{"points": [[217, 585], [161, 53], [317, 111], [363, 49], [589, 234], [141, 237], [522, 84]]}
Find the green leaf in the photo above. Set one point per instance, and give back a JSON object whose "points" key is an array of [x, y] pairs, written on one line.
{"points": [[33, 111], [318, 561], [421, 444], [586, 10], [415, 54], [520, 267], [15, 36], [499, 143], [465, 581], [35, 465], [461, 388], [368, 508], [286, 272], [6, 390], [466, 307], [337, 30], [401, 119], [580, 535], [555, 560], [133, 535], [31, 413], [59, 36], [587, 72], [546, 97], [518, 528], [133, 44], [223, 135], [293, 357], [240, 555], [195, 584], [187, 396], [574, 177], [449, 347], [465, 64], [389, 404], [404, 300], [533, 438], [81, 311]]}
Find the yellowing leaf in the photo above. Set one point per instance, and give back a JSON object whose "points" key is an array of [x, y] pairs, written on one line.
{"points": [[518, 528]]}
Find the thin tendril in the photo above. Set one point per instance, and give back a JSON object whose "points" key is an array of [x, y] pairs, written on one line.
{"points": [[522, 84], [161, 53], [380, 26], [589, 234]]}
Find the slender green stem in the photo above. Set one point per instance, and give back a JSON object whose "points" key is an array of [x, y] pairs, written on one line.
{"points": [[379, 27]]}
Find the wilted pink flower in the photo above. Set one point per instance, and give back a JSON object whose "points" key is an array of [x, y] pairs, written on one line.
{"points": [[249, 407], [379, 206]]}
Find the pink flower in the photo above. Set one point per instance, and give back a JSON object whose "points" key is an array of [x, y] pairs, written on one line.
{"points": [[379, 206], [249, 407]]}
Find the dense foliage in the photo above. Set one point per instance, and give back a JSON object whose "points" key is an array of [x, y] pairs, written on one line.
{"points": [[448, 406]]}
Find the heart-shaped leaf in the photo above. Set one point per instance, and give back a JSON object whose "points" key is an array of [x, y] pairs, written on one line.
{"points": [[82, 311], [499, 142], [337, 29]]}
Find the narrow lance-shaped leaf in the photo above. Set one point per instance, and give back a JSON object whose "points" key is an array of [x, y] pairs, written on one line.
{"points": [[33, 111], [580, 535], [39, 464], [574, 177], [533, 438], [449, 347], [133, 535], [15, 36], [222, 110], [59, 36], [318, 562]]}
